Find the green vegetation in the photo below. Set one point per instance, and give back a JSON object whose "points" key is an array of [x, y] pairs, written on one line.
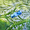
{"points": [[8, 7]]}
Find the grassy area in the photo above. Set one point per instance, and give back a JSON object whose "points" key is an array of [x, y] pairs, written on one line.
{"points": [[7, 8]]}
